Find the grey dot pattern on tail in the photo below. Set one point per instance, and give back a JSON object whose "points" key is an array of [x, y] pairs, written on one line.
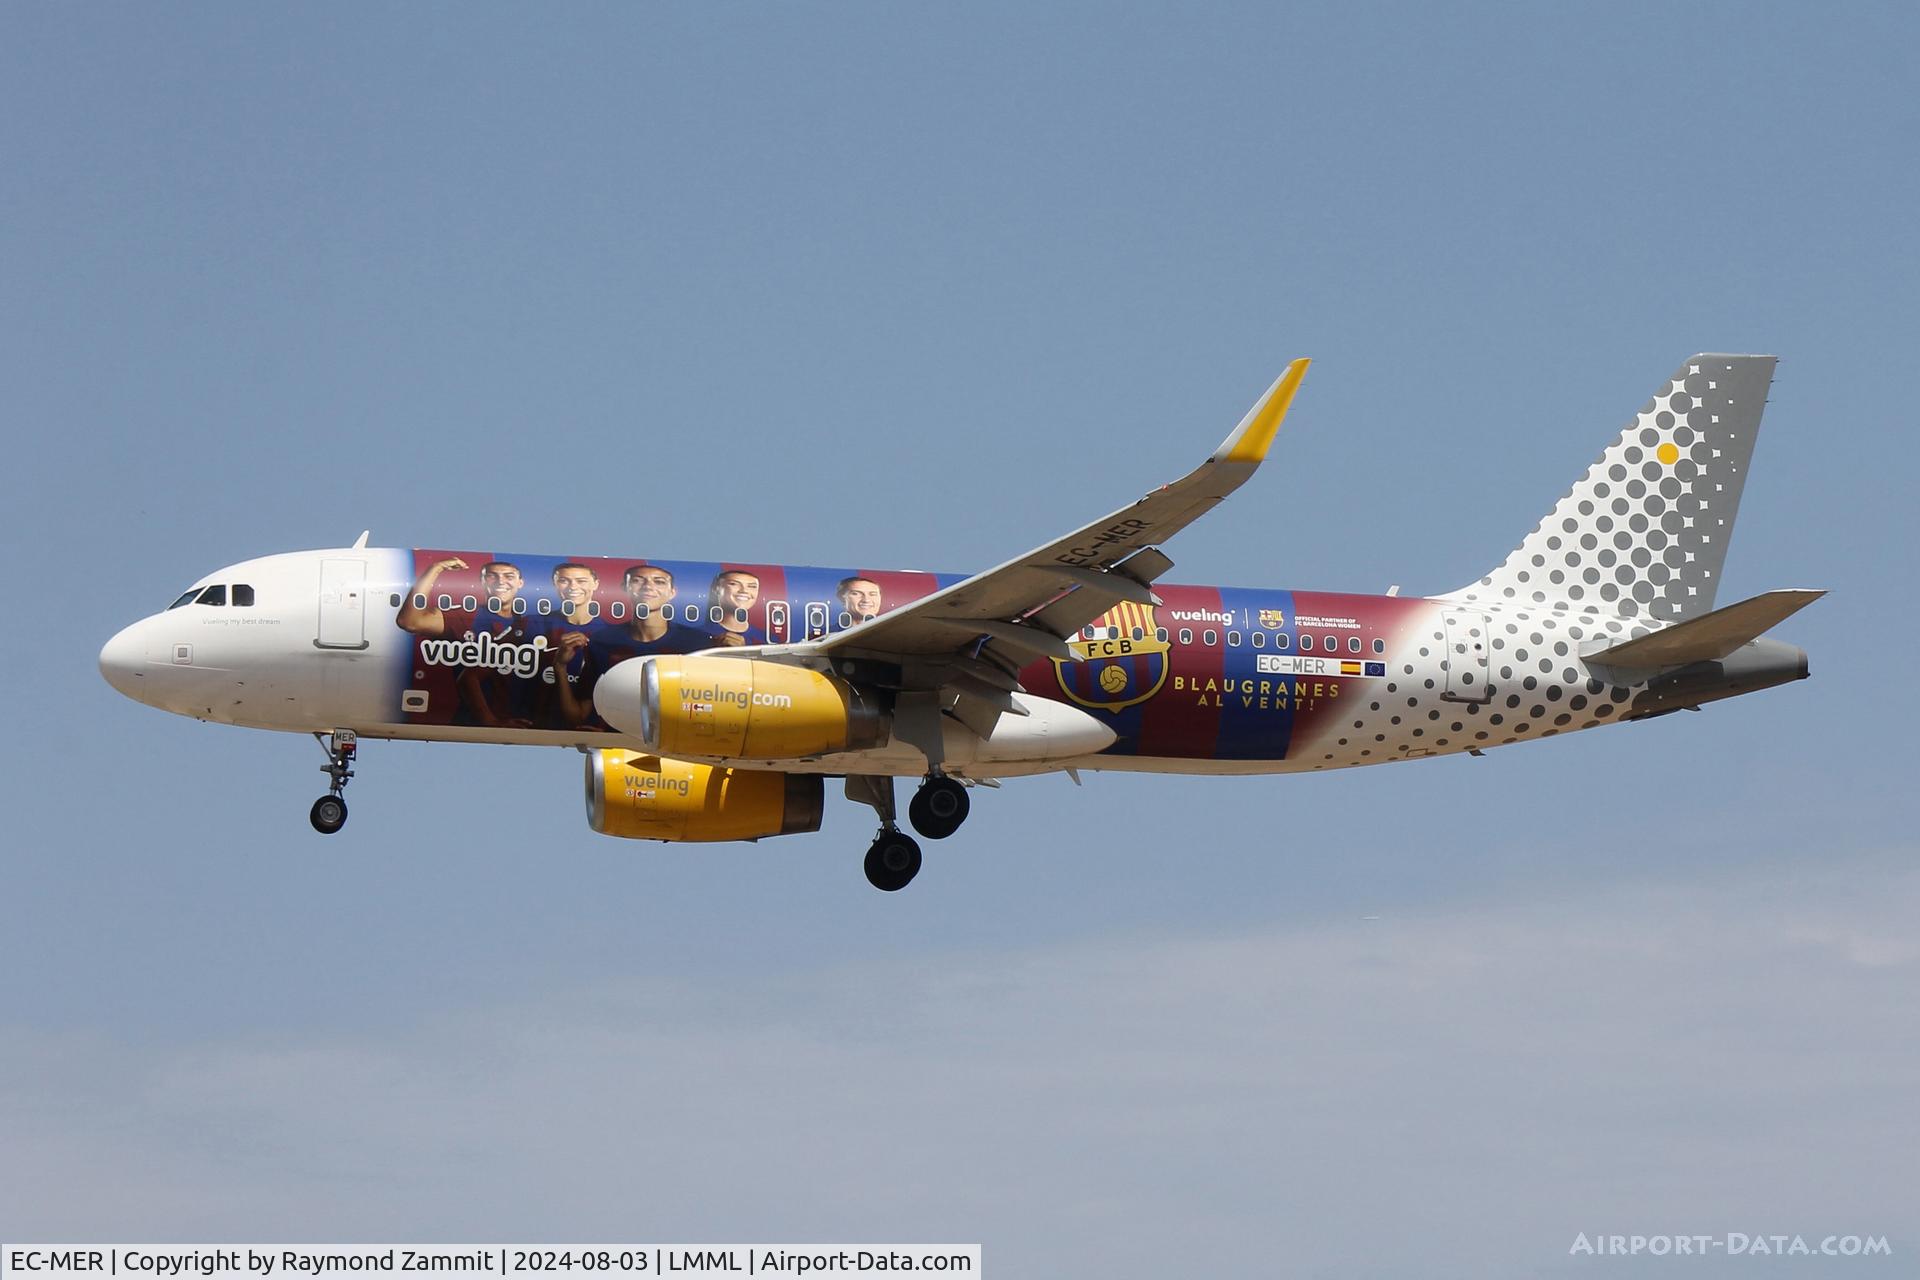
{"points": [[1644, 533]]}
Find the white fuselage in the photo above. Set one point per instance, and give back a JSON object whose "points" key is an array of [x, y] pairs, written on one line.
{"points": [[317, 651]]}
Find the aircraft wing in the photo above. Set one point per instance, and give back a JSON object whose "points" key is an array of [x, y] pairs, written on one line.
{"points": [[998, 621]]}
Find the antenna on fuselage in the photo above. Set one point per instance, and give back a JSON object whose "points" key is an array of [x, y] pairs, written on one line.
{"points": [[360, 543]]}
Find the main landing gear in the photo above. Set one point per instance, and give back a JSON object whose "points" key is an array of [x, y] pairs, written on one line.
{"points": [[329, 812], [936, 812], [938, 807], [893, 860]]}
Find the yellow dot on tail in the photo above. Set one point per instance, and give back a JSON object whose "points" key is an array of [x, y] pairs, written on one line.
{"points": [[1669, 453]]}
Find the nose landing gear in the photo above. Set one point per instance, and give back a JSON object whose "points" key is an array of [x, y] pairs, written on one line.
{"points": [[328, 815], [329, 812]]}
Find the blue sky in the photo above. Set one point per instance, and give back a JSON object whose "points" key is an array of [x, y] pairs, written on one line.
{"points": [[926, 287]]}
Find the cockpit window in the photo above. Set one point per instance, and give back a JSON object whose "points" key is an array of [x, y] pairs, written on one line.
{"points": [[214, 595], [186, 598], [243, 595]]}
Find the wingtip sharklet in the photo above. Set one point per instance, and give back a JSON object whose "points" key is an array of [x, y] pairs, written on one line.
{"points": [[1254, 436]]}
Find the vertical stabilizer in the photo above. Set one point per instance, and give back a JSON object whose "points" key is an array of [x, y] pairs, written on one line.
{"points": [[1644, 533]]}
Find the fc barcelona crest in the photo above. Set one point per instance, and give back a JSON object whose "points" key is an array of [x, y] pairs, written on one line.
{"points": [[1122, 663]]}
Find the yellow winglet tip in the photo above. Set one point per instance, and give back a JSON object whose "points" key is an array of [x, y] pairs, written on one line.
{"points": [[1254, 436]]}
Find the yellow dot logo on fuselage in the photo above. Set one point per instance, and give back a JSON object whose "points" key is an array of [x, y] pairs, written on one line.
{"points": [[1668, 453]]}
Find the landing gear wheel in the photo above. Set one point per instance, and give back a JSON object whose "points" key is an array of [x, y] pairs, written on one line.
{"points": [[892, 862], [938, 808], [329, 812], [328, 815]]}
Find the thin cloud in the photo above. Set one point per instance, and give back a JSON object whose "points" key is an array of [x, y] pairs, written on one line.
{"points": [[1454, 1093]]}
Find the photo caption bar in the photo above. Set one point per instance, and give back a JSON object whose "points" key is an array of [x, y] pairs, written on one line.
{"points": [[272, 1261]]}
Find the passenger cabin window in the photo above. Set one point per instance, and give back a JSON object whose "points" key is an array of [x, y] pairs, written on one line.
{"points": [[1186, 635], [1160, 634], [617, 610], [545, 606], [1306, 644], [214, 595], [469, 604], [1379, 645], [1212, 637], [1259, 639], [1283, 641], [1233, 638], [1353, 644]]}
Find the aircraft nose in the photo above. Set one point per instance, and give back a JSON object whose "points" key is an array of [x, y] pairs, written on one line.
{"points": [[123, 661]]}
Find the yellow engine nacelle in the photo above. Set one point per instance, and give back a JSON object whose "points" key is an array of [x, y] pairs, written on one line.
{"points": [[646, 798], [752, 710]]}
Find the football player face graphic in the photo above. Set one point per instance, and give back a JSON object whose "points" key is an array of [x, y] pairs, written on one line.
{"points": [[575, 585], [736, 592], [861, 596], [650, 585], [501, 582]]}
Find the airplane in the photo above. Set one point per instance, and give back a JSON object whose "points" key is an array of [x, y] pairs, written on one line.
{"points": [[713, 699]]}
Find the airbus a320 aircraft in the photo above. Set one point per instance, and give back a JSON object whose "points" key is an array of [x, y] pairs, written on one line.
{"points": [[713, 698]]}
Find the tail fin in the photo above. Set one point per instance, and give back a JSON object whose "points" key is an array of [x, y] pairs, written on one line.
{"points": [[1644, 533]]}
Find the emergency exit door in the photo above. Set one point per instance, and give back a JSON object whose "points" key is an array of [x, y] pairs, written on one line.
{"points": [[1466, 660], [343, 604]]}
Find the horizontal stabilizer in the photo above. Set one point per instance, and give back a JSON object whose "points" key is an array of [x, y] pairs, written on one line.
{"points": [[1709, 637]]}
